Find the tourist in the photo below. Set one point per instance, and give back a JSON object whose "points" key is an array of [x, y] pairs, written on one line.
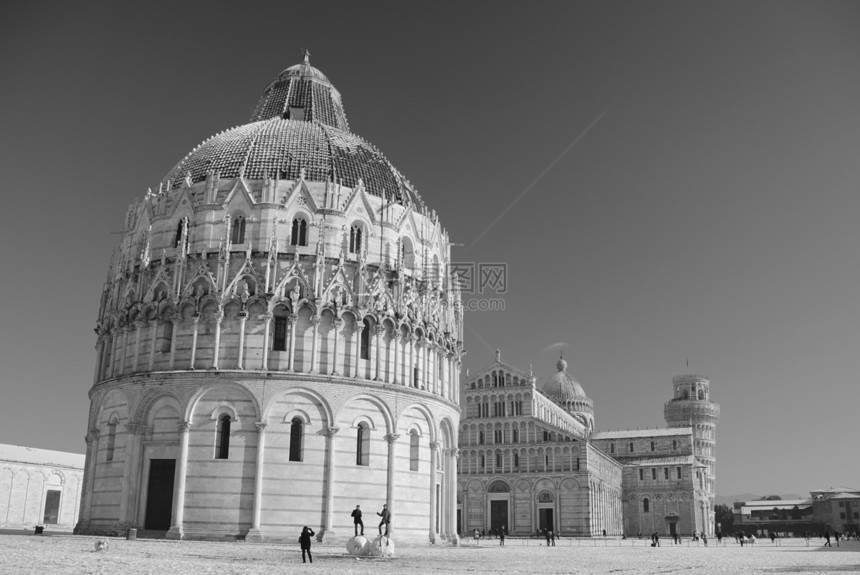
{"points": [[502, 535], [704, 539], [305, 543], [827, 538], [719, 536], [546, 533], [386, 519], [552, 537], [772, 537], [356, 519], [476, 535], [836, 534]]}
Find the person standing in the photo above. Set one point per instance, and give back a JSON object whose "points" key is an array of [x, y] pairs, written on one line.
{"points": [[502, 536], [385, 514], [552, 537], [356, 519], [546, 533], [305, 543]]}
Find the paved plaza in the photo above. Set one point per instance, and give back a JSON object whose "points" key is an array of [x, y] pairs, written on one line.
{"points": [[60, 554]]}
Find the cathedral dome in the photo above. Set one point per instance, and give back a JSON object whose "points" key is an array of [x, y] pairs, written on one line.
{"points": [[298, 130], [562, 387]]}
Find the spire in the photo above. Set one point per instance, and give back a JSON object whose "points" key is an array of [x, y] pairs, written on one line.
{"points": [[561, 365]]}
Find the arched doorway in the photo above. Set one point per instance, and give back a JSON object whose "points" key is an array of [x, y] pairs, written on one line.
{"points": [[498, 501], [546, 511]]}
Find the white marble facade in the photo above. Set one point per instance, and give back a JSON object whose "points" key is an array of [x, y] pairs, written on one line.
{"points": [[277, 341], [530, 459], [39, 487]]}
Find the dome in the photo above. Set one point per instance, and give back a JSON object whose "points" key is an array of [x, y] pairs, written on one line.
{"points": [[562, 387], [299, 130]]}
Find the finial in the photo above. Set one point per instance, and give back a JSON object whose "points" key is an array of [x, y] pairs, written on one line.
{"points": [[307, 56], [531, 372]]}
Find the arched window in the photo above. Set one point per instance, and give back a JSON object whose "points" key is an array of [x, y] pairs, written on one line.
{"points": [[178, 233], [237, 234], [413, 450], [362, 444], [279, 340], [222, 437], [646, 505], [111, 440], [674, 444], [299, 235], [516, 459], [701, 394], [296, 435], [355, 235], [167, 337], [365, 340]]}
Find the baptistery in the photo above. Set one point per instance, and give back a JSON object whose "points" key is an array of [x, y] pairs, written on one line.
{"points": [[277, 341]]}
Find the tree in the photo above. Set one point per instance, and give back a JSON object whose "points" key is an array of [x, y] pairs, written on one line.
{"points": [[724, 517]]}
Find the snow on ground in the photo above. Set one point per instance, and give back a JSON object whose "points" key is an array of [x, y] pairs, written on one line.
{"points": [[66, 554]]}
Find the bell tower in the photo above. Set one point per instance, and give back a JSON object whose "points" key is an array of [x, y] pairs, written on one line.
{"points": [[691, 406]]}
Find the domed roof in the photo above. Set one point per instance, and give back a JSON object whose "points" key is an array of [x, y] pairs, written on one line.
{"points": [[562, 387], [299, 128]]}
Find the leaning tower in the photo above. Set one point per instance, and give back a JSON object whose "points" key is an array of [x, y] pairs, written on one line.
{"points": [[692, 406]]}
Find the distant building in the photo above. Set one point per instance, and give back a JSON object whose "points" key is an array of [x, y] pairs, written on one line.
{"points": [[787, 517], [836, 509], [39, 487], [530, 459]]}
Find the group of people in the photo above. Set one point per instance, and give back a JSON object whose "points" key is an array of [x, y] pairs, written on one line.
{"points": [[308, 533]]}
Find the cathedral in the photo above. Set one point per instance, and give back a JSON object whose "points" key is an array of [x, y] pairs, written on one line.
{"points": [[276, 343], [531, 460]]}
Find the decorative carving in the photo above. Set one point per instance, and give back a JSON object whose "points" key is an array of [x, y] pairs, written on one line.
{"points": [[391, 437], [184, 426]]}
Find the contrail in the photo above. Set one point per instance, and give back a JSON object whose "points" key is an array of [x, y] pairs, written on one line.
{"points": [[539, 178]]}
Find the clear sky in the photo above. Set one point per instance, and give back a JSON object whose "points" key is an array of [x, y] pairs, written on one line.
{"points": [[700, 203]]}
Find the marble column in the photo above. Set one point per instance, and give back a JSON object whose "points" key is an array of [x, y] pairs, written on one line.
{"points": [[100, 346], [139, 325], [124, 349], [434, 454], [176, 530], [328, 529], [410, 366], [451, 478], [175, 321], [91, 459], [391, 438], [152, 336], [114, 342], [315, 322], [337, 324], [378, 330], [130, 477], [267, 329], [254, 534], [194, 340], [395, 343], [293, 321], [243, 318], [357, 343], [216, 352]]}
